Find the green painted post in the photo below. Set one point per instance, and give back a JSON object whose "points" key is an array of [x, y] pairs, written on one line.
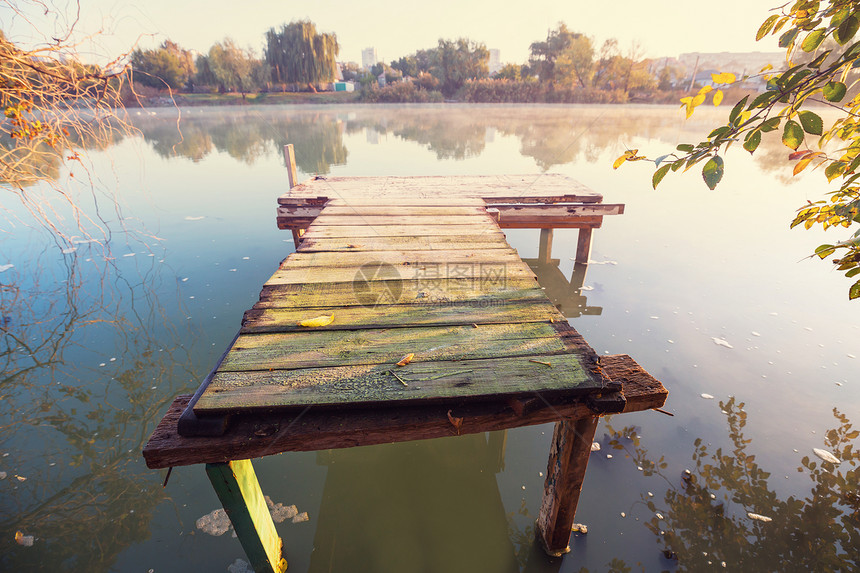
{"points": [[239, 491]]}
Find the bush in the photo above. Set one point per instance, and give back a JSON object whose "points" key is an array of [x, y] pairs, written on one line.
{"points": [[400, 92]]}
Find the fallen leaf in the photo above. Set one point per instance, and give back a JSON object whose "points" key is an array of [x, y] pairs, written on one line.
{"points": [[456, 422], [826, 456], [25, 540], [406, 359], [317, 321], [757, 517]]}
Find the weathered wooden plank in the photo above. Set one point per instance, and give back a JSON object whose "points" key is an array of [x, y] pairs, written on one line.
{"points": [[326, 220], [262, 434], [357, 231], [434, 275], [445, 243], [289, 350], [375, 384], [511, 188], [413, 258], [389, 210], [239, 491], [410, 291], [538, 309]]}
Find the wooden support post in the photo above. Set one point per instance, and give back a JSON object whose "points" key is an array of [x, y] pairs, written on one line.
{"points": [[568, 458], [583, 246], [577, 277], [290, 159], [239, 491], [497, 443], [545, 246]]}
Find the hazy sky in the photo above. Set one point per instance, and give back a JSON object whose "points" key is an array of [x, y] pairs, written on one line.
{"points": [[397, 28]]}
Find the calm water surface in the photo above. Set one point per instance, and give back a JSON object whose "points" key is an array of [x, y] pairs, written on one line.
{"points": [[709, 291]]}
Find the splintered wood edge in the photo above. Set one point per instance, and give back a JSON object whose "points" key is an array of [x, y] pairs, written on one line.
{"points": [[318, 429]]}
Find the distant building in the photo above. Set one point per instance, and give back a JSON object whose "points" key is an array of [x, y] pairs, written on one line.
{"points": [[495, 63], [368, 58]]}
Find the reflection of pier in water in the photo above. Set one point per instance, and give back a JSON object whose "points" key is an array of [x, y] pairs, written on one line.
{"points": [[565, 294]]}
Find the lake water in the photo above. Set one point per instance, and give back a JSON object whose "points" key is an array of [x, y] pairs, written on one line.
{"points": [[709, 291]]}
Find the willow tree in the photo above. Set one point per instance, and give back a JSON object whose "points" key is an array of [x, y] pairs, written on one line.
{"points": [[823, 56], [298, 54]]}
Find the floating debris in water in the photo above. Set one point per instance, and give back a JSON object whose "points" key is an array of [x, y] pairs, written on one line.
{"points": [[595, 446], [279, 511], [721, 342], [3, 475], [302, 517], [69, 251], [659, 515], [826, 456], [848, 355], [654, 317], [239, 566], [4, 268], [623, 514], [757, 517], [754, 333], [579, 528], [608, 456], [190, 218], [25, 540], [129, 254], [707, 396], [650, 494], [215, 523], [586, 288]]}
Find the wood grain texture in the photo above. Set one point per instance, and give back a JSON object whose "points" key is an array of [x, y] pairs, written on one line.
{"points": [[411, 258], [494, 240], [257, 320], [261, 433], [387, 384]]}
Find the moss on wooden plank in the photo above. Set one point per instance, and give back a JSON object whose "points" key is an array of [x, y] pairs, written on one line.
{"points": [[418, 381]]}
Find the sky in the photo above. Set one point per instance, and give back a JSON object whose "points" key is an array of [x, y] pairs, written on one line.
{"points": [[398, 28]]}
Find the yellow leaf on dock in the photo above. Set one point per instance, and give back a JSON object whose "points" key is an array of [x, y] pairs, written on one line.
{"points": [[316, 322], [406, 359]]}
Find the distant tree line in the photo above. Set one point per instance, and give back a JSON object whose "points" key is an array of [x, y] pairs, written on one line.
{"points": [[563, 67]]}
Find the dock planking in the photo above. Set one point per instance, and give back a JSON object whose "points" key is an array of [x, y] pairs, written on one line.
{"points": [[436, 328], [473, 320]]}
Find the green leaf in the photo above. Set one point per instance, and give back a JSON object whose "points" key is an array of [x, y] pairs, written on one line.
{"points": [[752, 140], [765, 27], [788, 37], [833, 170], [853, 272], [659, 175], [713, 171], [769, 125], [811, 122], [812, 40], [685, 147], [762, 99], [824, 251], [846, 30], [834, 91], [816, 63], [792, 135], [736, 111], [719, 131], [854, 291]]}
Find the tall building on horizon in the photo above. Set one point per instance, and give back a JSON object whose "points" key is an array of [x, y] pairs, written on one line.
{"points": [[495, 63], [368, 58]]}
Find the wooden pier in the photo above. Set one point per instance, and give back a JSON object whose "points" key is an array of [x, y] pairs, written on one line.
{"points": [[420, 322]]}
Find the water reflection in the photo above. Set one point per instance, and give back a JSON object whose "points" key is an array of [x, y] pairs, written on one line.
{"points": [[248, 135], [727, 513], [552, 136], [70, 439]]}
